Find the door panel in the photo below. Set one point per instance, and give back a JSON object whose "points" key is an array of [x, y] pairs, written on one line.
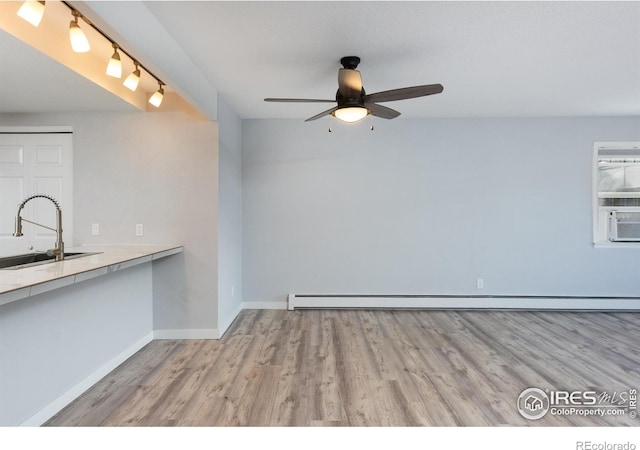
{"points": [[11, 194], [35, 163]]}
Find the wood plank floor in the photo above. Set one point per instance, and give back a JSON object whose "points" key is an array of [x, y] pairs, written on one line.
{"points": [[369, 368]]}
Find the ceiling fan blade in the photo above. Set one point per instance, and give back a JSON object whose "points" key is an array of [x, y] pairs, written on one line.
{"points": [[349, 83], [299, 100], [404, 93], [381, 111], [322, 114]]}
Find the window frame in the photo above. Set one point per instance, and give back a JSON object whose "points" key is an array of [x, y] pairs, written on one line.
{"points": [[599, 226]]}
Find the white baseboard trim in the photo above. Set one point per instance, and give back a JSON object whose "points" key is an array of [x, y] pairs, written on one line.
{"points": [[264, 305], [204, 333], [223, 325], [74, 392], [465, 302]]}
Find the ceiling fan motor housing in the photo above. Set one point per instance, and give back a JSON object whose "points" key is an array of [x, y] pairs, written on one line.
{"points": [[343, 101], [353, 98]]}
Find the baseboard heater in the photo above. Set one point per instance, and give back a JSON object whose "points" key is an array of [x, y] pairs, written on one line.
{"points": [[350, 301]]}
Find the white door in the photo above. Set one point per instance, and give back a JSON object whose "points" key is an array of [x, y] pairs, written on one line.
{"points": [[35, 163]]}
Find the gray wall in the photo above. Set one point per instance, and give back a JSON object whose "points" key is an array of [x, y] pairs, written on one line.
{"points": [[51, 342], [158, 169], [427, 207], [229, 215]]}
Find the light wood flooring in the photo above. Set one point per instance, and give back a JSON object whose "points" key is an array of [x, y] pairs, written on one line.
{"points": [[368, 368]]}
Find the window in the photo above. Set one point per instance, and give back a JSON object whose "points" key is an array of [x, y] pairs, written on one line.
{"points": [[616, 196]]}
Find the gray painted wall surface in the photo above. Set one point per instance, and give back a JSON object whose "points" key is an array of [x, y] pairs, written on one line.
{"points": [[51, 342], [427, 207], [229, 215], [158, 169]]}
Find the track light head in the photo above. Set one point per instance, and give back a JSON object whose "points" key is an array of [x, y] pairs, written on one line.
{"points": [[114, 68], [79, 41], [32, 11], [156, 99], [131, 82]]}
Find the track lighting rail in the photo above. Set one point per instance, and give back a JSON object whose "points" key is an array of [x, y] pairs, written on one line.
{"points": [[113, 42], [33, 10]]}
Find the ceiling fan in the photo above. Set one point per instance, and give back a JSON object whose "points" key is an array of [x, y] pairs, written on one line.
{"points": [[354, 104]]}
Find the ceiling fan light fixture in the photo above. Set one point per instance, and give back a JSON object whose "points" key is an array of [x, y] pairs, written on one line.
{"points": [[354, 104], [32, 11], [351, 114]]}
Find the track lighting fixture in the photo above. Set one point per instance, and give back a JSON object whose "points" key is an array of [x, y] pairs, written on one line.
{"points": [[131, 82], [114, 68], [156, 99], [79, 41], [32, 12]]}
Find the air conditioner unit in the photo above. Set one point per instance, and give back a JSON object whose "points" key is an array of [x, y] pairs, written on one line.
{"points": [[624, 226]]}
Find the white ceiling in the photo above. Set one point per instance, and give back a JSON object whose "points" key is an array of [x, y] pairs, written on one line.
{"points": [[495, 59], [32, 82]]}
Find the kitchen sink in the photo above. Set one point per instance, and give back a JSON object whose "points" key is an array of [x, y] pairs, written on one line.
{"points": [[35, 259]]}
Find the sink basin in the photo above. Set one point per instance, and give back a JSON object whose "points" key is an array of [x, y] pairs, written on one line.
{"points": [[35, 259]]}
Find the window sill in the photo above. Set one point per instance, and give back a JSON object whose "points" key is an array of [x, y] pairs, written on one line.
{"points": [[616, 245]]}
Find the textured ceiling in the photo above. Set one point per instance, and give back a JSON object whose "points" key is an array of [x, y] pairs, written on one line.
{"points": [[499, 59], [495, 59]]}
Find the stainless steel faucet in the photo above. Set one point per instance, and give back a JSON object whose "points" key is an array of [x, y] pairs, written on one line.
{"points": [[58, 251]]}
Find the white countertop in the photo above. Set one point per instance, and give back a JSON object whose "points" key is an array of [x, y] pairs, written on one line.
{"points": [[21, 283]]}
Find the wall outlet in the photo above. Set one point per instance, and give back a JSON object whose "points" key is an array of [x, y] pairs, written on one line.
{"points": [[233, 291], [139, 229], [480, 283], [95, 229]]}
